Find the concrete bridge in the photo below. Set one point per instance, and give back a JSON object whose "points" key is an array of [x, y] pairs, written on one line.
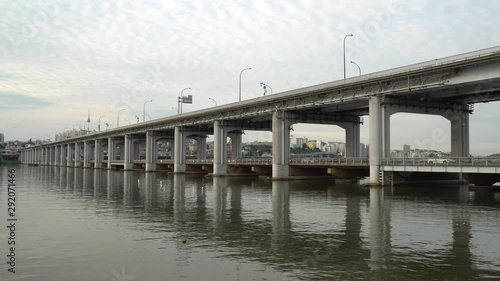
{"points": [[448, 87]]}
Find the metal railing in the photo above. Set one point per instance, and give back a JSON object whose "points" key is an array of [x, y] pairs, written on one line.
{"points": [[452, 161]]}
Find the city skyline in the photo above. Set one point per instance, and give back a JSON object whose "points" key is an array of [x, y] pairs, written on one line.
{"points": [[60, 59]]}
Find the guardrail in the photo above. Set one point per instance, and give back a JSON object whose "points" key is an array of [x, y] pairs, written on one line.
{"points": [[453, 161], [355, 161]]}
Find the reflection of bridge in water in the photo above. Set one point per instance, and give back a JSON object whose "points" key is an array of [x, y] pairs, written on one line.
{"points": [[343, 231]]}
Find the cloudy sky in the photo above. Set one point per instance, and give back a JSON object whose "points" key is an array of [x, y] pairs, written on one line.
{"points": [[61, 58]]}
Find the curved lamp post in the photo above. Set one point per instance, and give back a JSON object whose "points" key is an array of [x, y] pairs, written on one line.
{"points": [[248, 68], [265, 86], [99, 124], [144, 110], [118, 117], [213, 101], [359, 68], [344, 50]]}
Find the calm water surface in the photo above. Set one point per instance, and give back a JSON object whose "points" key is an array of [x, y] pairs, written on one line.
{"points": [[84, 224]]}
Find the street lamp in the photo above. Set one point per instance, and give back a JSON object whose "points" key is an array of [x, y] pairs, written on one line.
{"points": [[213, 101], [107, 125], [118, 118], [344, 51], [180, 101], [265, 86], [359, 68], [144, 110], [248, 68], [99, 125]]}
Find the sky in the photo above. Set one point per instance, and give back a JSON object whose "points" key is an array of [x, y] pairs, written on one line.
{"points": [[60, 59]]}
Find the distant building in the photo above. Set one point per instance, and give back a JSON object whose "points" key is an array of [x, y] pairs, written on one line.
{"points": [[2, 138], [300, 142], [313, 144]]}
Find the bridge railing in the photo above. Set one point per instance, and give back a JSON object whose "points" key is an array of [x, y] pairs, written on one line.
{"points": [[350, 161], [452, 161]]}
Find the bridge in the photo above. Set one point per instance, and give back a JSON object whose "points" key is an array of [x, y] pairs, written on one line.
{"points": [[447, 87]]}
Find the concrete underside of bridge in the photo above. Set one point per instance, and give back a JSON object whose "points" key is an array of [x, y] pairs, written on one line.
{"points": [[403, 178]]}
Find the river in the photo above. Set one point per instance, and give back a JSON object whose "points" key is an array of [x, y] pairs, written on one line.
{"points": [[85, 224]]}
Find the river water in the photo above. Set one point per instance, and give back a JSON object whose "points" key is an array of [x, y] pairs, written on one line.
{"points": [[84, 224]]}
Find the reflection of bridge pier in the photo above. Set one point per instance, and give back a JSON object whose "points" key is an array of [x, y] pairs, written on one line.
{"points": [[151, 192], [87, 180], [78, 179], [70, 177], [130, 189], [460, 258], [220, 197], [281, 211], [179, 196], [98, 182], [380, 229]]}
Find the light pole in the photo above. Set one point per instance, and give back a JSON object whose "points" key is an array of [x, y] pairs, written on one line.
{"points": [[265, 86], [99, 125], [344, 51], [248, 68], [213, 101], [118, 118], [359, 68], [180, 101], [144, 110]]}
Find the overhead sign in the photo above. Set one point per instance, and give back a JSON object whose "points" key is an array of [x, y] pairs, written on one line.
{"points": [[187, 99]]}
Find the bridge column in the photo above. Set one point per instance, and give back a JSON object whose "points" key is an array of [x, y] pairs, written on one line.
{"points": [[281, 144], [459, 133], [201, 147], [98, 155], [69, 158], [128, 153], [352, 138], [179, 150], [78, 154], [151, 151], [39, 156], [236, 140], [47, 155], [63, 155], [86, 154], [220, 148], [111, 151], [375, 138], [57, 155]]}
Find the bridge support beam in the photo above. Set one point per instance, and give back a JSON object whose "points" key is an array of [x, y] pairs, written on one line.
{"points": [[281, 122], [220, 148], [375, 138], [352, 138], [69, 157], [179, 150], [236, 140], [57, 155], [151, 151], [98, 155], [459, 133], [128, 152], [201, 147], [86, 154], [78, 154], [111, 151]]}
